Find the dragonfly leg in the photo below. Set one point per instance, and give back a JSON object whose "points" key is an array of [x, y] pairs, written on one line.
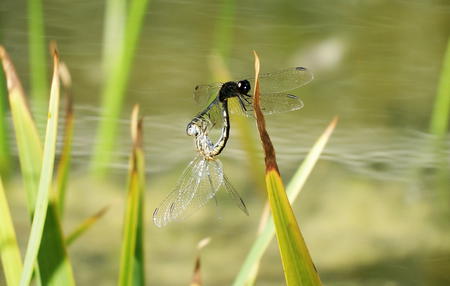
{"points": [[246, 106], [242, 104], [247, 98]]}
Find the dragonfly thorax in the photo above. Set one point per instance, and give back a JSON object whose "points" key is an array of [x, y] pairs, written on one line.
{"points": [[233, 89], [228, 90]]}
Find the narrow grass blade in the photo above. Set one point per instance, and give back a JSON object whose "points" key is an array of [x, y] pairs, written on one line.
{"points": [[30, 155], [439, 128], [42, 197], [114, 90], [197, 276], [64, 161], [132, 255], [223, 30], [248, 271], [297, 264], [113, 33], [54, 266], [84, 226], [9, 249], [441, 110], [37, 53], [5, 152]]}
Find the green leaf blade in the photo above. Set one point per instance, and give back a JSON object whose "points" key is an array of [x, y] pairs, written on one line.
{"points": [[248, 271], [441, 110], [9, 249], [84, 226], [37, 53], [115, 86], [297, 263], [38, 243], [46, 240], [30, 155], [54, 265], [63, 169], [132, 271], [5, 150]]}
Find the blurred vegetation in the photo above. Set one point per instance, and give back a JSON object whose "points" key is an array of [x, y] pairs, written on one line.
{"points": [[441, 112], [37, 55], [46, 244], [9, 248], [116, 83], [374, 66], [219, 65], [5, 152], [298, 266], [249, 269], [132, 263]]}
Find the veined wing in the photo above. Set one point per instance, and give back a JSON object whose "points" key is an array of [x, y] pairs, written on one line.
{"points": [[212, 114], [274, 82], [282, 81], [199, 183], [234, 194], [271, 103], [206, 93]]}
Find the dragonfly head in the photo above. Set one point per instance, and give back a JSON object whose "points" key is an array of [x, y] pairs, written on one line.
{"points": [[244, 86]]}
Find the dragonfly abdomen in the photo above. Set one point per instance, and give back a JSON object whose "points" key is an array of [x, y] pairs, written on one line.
{"points": [[198, 128]]}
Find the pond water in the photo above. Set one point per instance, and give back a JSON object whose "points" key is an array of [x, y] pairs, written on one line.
{"points": [[375, 211]]}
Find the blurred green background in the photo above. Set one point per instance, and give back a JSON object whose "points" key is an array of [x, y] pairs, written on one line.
{"points": [[375, 210]]}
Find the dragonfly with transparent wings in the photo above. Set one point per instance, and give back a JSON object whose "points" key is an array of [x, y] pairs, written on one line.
{"points": [[274, 89], [200, 181], [204, 177]]}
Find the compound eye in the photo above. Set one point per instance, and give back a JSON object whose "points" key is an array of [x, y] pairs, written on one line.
{"points": [[244, 86]]}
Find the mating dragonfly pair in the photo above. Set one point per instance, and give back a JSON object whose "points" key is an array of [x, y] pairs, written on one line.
{"points": [[204, 176]]}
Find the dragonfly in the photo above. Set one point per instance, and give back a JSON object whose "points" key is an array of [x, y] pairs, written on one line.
{"points": [[200, 181], [204, 177], [274, 96]]}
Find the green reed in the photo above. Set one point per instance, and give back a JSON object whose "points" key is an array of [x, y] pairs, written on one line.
{"points": [[9, 248], [115, 87], [46, 240], [37, 50], [46, 256], [5, 152], [441, 110], [132, 264]]}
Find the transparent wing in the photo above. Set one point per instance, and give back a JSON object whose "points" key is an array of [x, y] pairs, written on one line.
{"points": [[212, 115], [204, 94], [234, 195], [274, 82], [271, 103], [199, 183], [283, 80]]}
